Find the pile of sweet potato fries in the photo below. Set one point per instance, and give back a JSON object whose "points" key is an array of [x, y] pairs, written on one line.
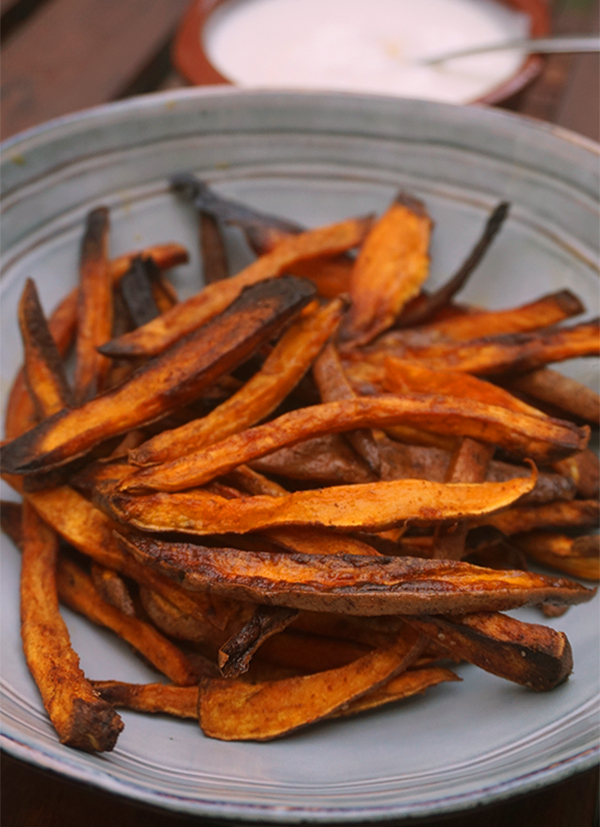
{"points": [[303, 492]]}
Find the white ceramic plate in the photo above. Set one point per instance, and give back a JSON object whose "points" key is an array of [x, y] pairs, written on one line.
{"points": [[314, 158]]}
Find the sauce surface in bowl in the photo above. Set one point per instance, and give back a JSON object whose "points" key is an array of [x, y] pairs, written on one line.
{"points": [[372, 46]]}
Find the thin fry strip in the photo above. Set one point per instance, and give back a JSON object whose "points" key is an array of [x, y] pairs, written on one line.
{"points": [[20, 414], [76, 589], [333, 385], [179, 701], [80, 717], [575, 556], [212, 249], [94, 310], [526, 653], [542, 312], [162, 384], [43, 367], [516, 352], [423, 307], [371, 507], [540, 439], [235, 654], [112, 588], [560, 391], [234, 710], [391, 266], [155, 337], [353, 584], [136, 289], [284, 367], [520, 518]]}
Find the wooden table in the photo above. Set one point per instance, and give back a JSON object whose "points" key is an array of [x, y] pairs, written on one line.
{"points": [[59, 56]]}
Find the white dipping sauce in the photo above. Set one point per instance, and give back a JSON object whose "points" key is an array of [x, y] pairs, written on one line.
{"points": [[364, 45]]}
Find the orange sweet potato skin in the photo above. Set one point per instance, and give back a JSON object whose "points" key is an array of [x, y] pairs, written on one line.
{"points": [[352, 584]]}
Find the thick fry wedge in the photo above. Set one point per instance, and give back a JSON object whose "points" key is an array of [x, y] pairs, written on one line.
{"points": [[76, 589], [284, 367], [236, 711], [540, 439], [188, 315], [526, 653], [371, 507], [576, 556], [80, 717], [179, 701], [390, 268], [94, 309], [43, 367], [164, 383], [353, 584]]}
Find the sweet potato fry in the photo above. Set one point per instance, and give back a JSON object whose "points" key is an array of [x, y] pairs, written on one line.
{"points": [[233, 710], [520, 518], [94, 309], [43, 367], [390, 268], [542, 312], [352, 584], [526, 653], [155, 337], [282, 370], [307, 653], [561, 392], [576, 556], [405, 685], [179, 701], [76, 589], [515, 352], [583, 469], [333, 385], [540, 439], [424, 307], [135, 288], [112, 588], [402, 376], [164, 383], [371, 507], [80, 717], [236, 653], [20, 415], [212, 249]]}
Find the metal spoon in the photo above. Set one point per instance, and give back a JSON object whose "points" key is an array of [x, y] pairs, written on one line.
{"points": [[535, 45]]}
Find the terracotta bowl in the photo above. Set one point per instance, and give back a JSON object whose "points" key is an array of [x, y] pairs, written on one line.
{"points": [[191, 60]]}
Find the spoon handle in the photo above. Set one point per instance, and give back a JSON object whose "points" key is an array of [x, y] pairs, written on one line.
{"points": [[568, 43]]}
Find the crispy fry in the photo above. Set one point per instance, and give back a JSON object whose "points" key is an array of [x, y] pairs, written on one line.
{"points": [[233, 710], [576, 556], [212, 249], [424, 307], [112, 588], [284, 367], [542, 312], [307, 653], [562, 392], [179, 701], [81, 718], [520, 518], [44, 372], [583, 469], [333, 385], [413, 682], [353, 584], [76, 589], [236, 653], [136, 289], [155, 337], [371, 507], [540, 439], [163, 384], [514, 353], [390, 268], [526, 653], [94, 309]]}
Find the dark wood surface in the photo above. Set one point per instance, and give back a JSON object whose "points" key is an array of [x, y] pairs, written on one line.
{"points": [[59, 56]]}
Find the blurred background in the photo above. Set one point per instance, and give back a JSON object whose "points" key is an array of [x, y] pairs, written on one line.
{"points": [[60, 56]]}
